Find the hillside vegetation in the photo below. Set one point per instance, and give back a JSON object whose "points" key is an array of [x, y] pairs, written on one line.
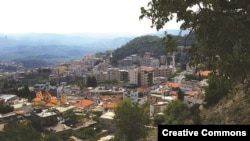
{"points": [[231, 109], [148, 43]]}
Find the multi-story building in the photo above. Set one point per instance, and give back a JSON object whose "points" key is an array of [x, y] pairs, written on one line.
{"points": [[135, 58], [113, 74], [133, 75], [157, 108], [127, 61], [123, 75], [146, 75], [101, 76], [60, 69], [154, 63], [147, 55], [163, 60], [162, 71], [189, 85]]}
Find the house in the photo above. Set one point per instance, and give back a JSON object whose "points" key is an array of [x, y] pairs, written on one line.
{"points": [[85, 104], [173, 85], [189, 85], [109, 103], [157, 108], [8, 97], [193, 97], [107, 121], [61, 130], [43, 118], [204, 73]]}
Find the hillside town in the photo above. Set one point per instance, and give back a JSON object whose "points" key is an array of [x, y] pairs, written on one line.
{"points": [[157, 81]]}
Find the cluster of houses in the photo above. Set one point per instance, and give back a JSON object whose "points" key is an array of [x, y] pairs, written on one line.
{"points": [[154, 87]]}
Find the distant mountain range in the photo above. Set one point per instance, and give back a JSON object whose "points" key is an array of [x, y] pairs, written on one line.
{"points": [[55, 48]]}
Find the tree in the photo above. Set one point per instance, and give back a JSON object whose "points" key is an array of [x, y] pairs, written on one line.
{"points": [[70, 118], [221, 29], [159, 119], [6, 108], [91, 81], [24, 92], [216, 89], [20, 131], [52, 137], [130, 121], [180, 94], [177, 112]]}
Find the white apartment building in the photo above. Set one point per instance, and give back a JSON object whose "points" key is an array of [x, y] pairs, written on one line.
{"points": [[133, 76]]}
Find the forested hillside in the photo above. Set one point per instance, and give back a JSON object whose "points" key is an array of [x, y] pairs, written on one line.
{"points": [[148, 43]]}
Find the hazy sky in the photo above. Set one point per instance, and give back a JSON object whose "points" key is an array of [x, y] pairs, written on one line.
{"points": [[74, 16]]}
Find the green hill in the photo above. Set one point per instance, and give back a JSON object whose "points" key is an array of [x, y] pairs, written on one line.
{"points": [[148, 43]]}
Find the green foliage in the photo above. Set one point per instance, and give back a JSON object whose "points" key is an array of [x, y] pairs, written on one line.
{"points": [[148, 43], [71, 119], [91, 81], [180, 94], [52, 137], [10, 85], [170, 44], [195, 114], [159, 119], [97, 113], [221, 29], [24, 93], [189, 77], [139, 46], [87, 133], [216, 89], [130, 121], [20, 131], [6, 109], [100, 55], [177, 112], [79, 82]]}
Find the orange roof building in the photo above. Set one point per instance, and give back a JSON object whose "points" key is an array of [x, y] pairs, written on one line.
{"points": [[204, 73], [44, 99], [105, 98], [173, 85], [110, 105], [86, 104]]}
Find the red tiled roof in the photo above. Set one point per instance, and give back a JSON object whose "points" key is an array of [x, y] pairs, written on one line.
{"points": [[105, 98], [50, 105], [37, 99], [142, 88], [117, 99], [191, 93], [204, 73], [84, 103], [18, 112], [173, 85], [109, 105]]}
